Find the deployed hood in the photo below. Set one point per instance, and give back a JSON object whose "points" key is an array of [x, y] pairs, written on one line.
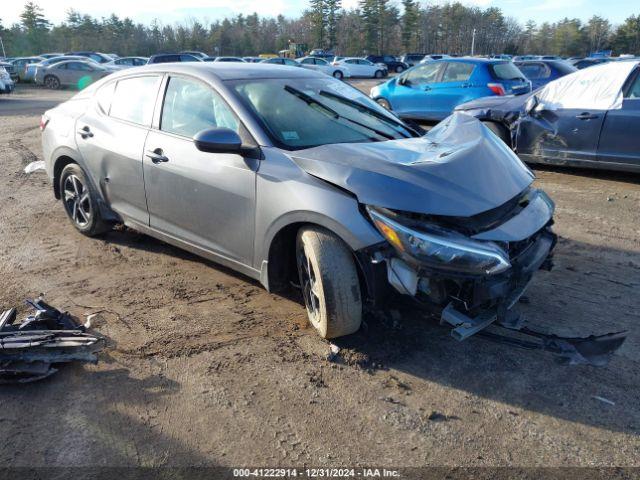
{"points": [[459, 168]]}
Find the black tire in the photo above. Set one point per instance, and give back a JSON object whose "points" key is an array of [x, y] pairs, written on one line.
{"points": [[378, 74], [52, 82], [500, 131], [80, 202], [330, 283], [383, 102], [338, 74], [399, 69]]}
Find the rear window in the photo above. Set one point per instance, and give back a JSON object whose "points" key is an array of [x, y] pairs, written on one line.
{"points": [[534, 71], [506, 71], [134, 99], [564, 67]]}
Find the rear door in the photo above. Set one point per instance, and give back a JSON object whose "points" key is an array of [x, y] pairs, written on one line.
{"points": [[452, 88], [620, 139], [204, 199], [411, 96], [111, 137]]}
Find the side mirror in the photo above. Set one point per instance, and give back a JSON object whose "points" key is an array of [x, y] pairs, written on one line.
{"points": [[218, 140], [532, 103]]}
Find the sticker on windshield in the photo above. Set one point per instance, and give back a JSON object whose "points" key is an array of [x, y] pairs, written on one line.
{"points": [[290, 135]]}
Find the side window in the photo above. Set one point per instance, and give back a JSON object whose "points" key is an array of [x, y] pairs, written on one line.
{"points": [[351, 62], [533, 71], [104, 96], [190, 107], [134, 99], [634, 89], [308, 61], [319, 61], [187, 58], [62, 66], [422, 75], [457, 72]]}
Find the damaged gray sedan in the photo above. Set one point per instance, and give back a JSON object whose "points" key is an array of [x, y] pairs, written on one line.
{"points": [[291, 177]]}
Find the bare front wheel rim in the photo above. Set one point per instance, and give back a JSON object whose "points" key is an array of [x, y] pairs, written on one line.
{"points": [[77, 201]]}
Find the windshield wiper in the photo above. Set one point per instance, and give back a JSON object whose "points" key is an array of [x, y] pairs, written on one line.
{"points": [[314, 101], [369, 110]]}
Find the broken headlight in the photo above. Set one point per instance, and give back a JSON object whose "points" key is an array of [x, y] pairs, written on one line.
{"points": [[441, 249]]}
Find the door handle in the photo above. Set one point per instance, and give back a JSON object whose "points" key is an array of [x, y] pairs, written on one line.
{"points": [[586, 116], [157, 156], [85, 132]]}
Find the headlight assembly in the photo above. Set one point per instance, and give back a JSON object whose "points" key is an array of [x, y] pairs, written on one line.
{"points": [[441, 249]]}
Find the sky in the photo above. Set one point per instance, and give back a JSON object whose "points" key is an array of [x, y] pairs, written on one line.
{"points": [[172, 11]]}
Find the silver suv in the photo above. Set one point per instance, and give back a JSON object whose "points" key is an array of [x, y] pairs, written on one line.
{"points": [[290, 176]]}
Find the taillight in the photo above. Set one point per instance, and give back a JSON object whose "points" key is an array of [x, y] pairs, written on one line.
{"points": [[496, 88], [44, 121]]}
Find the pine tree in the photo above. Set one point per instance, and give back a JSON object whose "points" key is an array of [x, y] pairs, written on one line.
{"points": [[333, 12]]}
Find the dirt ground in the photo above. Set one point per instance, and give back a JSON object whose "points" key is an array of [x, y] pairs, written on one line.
{"points": [[204, 367]]}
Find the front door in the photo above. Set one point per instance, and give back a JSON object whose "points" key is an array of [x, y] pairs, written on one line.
{"points": [[204, 199], [411, 97], [560, 135]]}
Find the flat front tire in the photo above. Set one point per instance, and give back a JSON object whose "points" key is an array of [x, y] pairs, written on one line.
{"points": [[329, 281]]}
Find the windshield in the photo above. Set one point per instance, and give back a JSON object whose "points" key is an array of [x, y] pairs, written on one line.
{"points": [[507, 71], [303, 113]]}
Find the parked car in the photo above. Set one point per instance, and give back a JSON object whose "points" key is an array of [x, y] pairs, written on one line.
{"points": [[360, 67], [412, 59], [431, 91], [173, 57], [590, 118], [95, 56], [126, 62], [589, 62], [282, 61], [391, 62], [31, 70], [541, 72], [289, 176], [20, 65], [50, 55], [6, 84], [195, 53], [11, 70], [321, 65], [432, 57], [72, 73], [226, 59]]}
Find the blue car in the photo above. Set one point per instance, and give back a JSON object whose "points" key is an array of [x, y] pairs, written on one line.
{"points": [[431, 91], [541, 72]]}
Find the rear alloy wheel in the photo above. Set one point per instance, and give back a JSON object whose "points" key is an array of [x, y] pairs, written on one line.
{"points": [[383, 103], [329, 281], [399, 69], [80, 202], [378, 74], [52, 82], [338, 74]]}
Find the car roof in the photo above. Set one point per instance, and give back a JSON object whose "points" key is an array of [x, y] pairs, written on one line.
{"points": [[226, 70]]}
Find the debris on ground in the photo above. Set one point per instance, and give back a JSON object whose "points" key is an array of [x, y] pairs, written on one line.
{"points": [[333, 352], [30, 350], [34, 167], [603, 400]]}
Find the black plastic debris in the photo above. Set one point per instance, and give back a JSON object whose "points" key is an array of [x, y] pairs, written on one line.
{"points": [[32, 349]]}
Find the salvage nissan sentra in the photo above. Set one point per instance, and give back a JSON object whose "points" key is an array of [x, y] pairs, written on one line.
{"points": [[289, 176]]}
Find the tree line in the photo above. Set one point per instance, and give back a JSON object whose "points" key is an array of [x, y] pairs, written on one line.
{"points": [[375, 26]]}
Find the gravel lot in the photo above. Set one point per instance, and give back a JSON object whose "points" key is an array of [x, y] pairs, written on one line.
{"points": [[204, 367]]}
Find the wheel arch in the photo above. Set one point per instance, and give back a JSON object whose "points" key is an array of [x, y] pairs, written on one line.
{"points": [[62, 159], [278, 266]]}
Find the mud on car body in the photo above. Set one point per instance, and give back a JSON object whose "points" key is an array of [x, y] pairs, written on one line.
{"points": [[290, 176]]}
